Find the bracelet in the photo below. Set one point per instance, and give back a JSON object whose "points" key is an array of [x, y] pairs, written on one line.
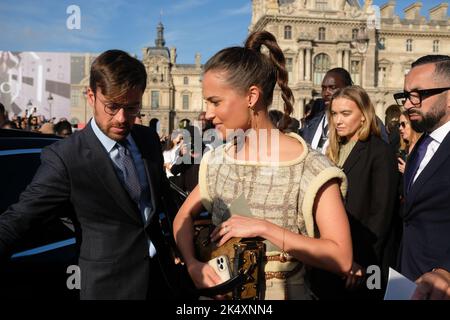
{"points": [[283, 255]]}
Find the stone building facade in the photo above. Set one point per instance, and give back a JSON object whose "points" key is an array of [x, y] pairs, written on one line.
{"points": [[173, 90], [376, 46]]}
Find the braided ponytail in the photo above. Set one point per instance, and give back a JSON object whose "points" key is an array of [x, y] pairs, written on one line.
{"points": [[254, 42], [247, 66]]}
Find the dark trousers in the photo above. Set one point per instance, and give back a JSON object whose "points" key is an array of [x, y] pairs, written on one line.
{"points": [[158, 287]]}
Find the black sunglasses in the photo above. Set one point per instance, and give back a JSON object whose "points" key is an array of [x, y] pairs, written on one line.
{"points": [[417, 96], [402, 124]]}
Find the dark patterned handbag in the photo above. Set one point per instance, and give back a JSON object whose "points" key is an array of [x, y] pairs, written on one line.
{"points": [[246, 256]]}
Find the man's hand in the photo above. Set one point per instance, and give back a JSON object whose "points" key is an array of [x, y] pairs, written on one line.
{"points": [[434, 285]]}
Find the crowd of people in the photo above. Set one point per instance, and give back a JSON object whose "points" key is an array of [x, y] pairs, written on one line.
{"points": [[330, 195], [35, 123]]}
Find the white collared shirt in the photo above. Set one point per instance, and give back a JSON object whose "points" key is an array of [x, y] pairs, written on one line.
{"points": [[438, 136], [315, 141]]}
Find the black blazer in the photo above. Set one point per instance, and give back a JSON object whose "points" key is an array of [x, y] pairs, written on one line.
{"points": [[426, 216], [372, 201], [371, 204], [312, 123], [114, 251]]}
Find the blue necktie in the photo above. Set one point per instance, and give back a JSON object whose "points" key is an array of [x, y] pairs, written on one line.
{"points": [[415, 160], [126, 165]]}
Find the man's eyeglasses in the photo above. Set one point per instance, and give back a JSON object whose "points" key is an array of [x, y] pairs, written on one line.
{"points": [[112, 108], [417, 96]]}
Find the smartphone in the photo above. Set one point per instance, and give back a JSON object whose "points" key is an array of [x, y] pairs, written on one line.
{"points": [[402, 154], [221, 266]]}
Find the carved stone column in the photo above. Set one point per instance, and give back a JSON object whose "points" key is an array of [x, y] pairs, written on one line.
{"points": [[308, 64], [301, 64]]}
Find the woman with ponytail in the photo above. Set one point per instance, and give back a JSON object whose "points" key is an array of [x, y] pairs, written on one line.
{"points": [[262, 182]]}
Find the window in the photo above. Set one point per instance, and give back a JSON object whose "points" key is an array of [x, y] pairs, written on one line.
{"points": [[381, 76], [288, 32], [322, 33], [382, 43], [436, 46], [75, 97], [354, 34], [321, 66], [185, 80], [409, 45], [289, 67], [355, 72], [321, 4], [155, 100], [185, 102]]}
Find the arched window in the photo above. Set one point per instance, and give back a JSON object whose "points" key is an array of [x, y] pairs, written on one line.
{"points": [[321, 66], [288, 32], [321, 33], [354, 34], [185, 80]]}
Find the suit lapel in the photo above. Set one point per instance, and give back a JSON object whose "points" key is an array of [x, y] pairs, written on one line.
{"points": [[436, 161], [354, 156], [102, 166]]}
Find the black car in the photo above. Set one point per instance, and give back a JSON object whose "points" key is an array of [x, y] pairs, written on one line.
{"points": [[44, 264], [41, 264]]}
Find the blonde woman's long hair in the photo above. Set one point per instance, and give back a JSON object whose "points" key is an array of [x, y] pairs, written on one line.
{"points": [[368, 127]]}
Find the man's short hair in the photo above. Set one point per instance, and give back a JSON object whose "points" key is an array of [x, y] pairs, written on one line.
{"points": [[343, 74], [442, 63], [115, 73], [2, 108]]}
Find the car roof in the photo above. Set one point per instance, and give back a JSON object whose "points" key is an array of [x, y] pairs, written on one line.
{"points": [[11, 139]]}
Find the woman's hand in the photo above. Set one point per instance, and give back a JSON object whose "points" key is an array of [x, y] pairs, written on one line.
{"points": [[237, 226], [401, 165], [355, 278], [203, 275]]}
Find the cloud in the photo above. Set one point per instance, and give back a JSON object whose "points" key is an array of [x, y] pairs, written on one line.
{"points": [[245, 9]]}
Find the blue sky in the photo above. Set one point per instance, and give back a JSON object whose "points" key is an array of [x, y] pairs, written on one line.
{"points": [[191, 26]]}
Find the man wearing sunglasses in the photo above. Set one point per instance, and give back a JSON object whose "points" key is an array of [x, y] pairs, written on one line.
{"points": [[111, 174], [425, 251]]}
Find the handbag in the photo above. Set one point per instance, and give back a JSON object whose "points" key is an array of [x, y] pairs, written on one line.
{"points": [[246, 256]]}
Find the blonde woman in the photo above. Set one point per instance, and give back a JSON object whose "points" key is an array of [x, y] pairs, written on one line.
{"points": [[371, 169]]}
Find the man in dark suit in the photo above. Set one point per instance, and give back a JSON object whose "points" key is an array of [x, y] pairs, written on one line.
{"points": [[425, 252], [111, 173]]}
